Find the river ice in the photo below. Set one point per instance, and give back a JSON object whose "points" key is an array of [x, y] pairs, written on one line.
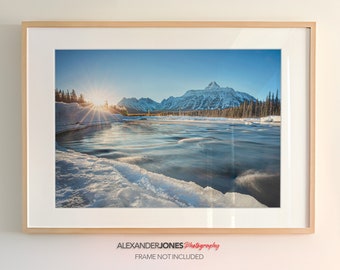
{"points": [[170, 162]]}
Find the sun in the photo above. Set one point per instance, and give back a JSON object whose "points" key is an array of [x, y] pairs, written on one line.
{"points": [[97, 97]]}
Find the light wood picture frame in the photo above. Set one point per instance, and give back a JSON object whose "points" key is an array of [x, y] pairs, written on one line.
{"points": [[67, 189]]}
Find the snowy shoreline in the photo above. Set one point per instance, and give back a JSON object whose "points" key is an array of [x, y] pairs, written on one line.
{"points": [[88, 181], [72, 116]]}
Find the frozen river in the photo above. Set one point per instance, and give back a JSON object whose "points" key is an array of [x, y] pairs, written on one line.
{"points": [[226, 155]]}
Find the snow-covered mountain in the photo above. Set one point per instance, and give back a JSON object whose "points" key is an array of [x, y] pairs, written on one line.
{"points": [[134, 105], [210, 98]]}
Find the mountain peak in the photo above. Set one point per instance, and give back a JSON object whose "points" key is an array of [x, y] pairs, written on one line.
{"points": [[213, 85], [211, 98]]}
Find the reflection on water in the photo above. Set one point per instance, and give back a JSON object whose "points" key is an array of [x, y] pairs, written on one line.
{"points": [[226, 156]]}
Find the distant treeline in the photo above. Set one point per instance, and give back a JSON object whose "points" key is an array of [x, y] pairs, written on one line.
{"points": [[115, 109], [73, 97], [68, 97], [247, 109]]}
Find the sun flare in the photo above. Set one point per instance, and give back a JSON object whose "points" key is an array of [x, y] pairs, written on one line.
{"points": [[97, 98]]}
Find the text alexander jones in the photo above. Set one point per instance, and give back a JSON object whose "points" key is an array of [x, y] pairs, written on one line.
{"points": [[167, 245]]}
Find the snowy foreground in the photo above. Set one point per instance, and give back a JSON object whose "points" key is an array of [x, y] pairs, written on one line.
{"points": [[88, 181]]}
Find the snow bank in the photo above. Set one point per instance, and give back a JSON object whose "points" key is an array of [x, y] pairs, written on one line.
{"points": [[72, 116], [87, 181], [196, 119], [271, 119]]}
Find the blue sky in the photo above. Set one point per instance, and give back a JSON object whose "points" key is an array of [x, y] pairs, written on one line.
{"points": [[157, 74]]}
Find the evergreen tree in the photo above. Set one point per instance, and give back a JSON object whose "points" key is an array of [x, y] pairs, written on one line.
{"points": [[67, 97], [73, 96], [81, 99]]}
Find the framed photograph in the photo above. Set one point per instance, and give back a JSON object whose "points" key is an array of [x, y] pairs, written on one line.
{"points": [[168, 127]]}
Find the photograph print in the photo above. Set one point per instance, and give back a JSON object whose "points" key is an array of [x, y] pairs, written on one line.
{"points": [[167, 128]]}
